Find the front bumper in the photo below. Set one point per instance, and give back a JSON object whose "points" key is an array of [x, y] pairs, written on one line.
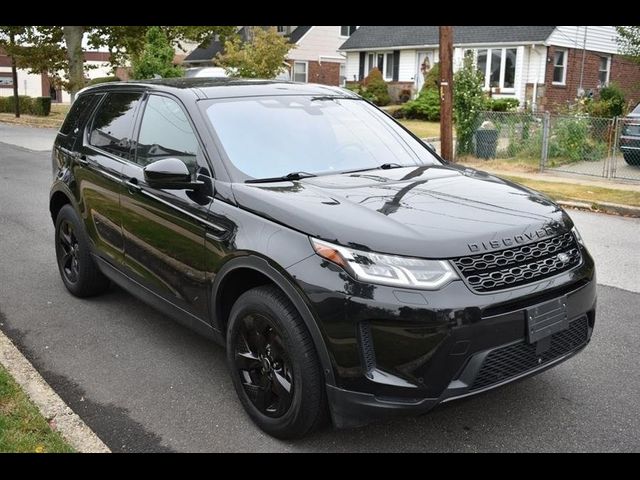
{"points": [[629, 144], [399, 351]]}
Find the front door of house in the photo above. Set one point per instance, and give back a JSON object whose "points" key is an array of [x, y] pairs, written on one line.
{"points": [[425, 61]]}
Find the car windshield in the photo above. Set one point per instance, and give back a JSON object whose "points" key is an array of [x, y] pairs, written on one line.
{"points": [[272, 136], [636, 110]]}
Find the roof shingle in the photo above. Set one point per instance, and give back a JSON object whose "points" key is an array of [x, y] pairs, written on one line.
{"points": [[404, 36]]}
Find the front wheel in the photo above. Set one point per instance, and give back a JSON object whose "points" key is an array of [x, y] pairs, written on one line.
{"points": [[274, 366]]}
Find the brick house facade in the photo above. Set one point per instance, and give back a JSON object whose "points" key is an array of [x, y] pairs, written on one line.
{"points": [[623, 73]]}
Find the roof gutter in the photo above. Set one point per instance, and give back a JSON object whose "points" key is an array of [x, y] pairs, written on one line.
{"points": [[435, 45]]}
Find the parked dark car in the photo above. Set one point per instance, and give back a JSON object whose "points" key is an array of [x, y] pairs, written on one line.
{"points": [[630, 137], [348, 269]]}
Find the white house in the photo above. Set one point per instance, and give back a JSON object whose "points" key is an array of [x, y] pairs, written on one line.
{"points": [[315, 57], [551, 64]]}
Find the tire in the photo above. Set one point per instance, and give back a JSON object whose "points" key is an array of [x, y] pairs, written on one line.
{"points": [[79, 272], [266, 338], [632, 158]]}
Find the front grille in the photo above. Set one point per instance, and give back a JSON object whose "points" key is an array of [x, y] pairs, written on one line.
{"points": [[520, 265], [507, 362]]}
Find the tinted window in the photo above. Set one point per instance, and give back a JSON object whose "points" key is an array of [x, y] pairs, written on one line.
{"points": [[113, 123], [166, 132], [273, 136], [77, 113]]}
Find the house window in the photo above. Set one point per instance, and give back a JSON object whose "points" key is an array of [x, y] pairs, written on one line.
{"points": [[343, 74], [347, 31], [560, 67], [498, 66], [6, 80], [381, 61], [388, 67], [300, 72], [604, 70], [280, 29]]}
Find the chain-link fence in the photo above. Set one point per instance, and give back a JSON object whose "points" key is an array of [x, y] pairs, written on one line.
{"points": [[576, 144]]}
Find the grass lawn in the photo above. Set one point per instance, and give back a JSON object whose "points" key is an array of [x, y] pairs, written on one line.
{"points": [[582, 193], [53, 120], [22, 428], [421, 128]]}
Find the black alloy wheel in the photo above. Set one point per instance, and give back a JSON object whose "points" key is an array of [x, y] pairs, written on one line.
{"points": [[274, 365], [78, 270], [264, 365], [68, 253]]}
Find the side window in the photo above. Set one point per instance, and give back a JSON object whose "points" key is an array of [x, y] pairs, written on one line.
{"points": [[166, 132], [78, 111], [113, 123]]}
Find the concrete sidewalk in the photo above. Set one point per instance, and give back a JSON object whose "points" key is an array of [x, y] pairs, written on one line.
{"points": [[38, 139], [561, 177]]}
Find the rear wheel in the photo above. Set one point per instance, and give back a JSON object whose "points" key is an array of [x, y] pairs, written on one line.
{"points": [[79, 272], [632, 158], [275, 369]]}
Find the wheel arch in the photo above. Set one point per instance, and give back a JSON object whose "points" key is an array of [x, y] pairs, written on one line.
{"points": [[258, 271], [59, 198]]}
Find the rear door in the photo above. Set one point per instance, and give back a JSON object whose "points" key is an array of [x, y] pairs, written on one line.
{"points": [[106, 145], [163, 229]]}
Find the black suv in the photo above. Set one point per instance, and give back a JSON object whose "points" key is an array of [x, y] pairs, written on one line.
{"points": [[348, 270]]}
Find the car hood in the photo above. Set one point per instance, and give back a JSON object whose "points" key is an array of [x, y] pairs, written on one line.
{"points": [[429, 212]]}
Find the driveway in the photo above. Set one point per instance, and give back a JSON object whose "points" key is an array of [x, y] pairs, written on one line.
{"points": [[146, 384]]}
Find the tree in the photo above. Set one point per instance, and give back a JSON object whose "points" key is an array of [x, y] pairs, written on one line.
{"points": [[10, 38], [156, 57], [629, 42], [58, 49], [262, 57], [468, 102]]}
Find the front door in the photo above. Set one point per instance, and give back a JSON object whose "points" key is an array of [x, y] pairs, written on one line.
{"points": [[424, 63], [105, 148], [164, 230]]}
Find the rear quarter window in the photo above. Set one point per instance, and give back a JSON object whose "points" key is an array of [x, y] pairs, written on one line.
{"points": [[79, 111]]}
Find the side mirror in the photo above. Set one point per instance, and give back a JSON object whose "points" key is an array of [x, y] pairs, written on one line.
{"points": [[170, 174]]}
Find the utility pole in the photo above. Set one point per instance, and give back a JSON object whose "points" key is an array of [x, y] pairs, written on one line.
{"points": [[446, 92], [14, 76]]}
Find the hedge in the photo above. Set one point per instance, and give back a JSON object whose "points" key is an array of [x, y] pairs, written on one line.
{"points": [[39, 106]]}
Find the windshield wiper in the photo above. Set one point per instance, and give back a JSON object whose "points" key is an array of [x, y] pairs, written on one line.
{"points": [[284, 178], [384, 166]]}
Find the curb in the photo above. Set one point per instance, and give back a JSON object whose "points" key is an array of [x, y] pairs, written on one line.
{"points": [[603, 207], [61, 418]]}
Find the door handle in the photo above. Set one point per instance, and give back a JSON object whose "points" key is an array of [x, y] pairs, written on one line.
{"points": [[81, 158], [132, 185]]}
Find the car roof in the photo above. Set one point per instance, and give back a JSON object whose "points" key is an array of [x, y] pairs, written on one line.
{"points": [[219, 87]]}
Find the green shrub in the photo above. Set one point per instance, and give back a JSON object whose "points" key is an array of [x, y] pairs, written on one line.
{"points": [[615, 98], [432, 78], [376, 89], [425, 107], [97, 80], [572, 139], [40, 106], [502, 104], [468, 102]]}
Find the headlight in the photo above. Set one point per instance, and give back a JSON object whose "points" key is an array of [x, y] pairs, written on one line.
{"points": [[576, 234], [387, 269]]}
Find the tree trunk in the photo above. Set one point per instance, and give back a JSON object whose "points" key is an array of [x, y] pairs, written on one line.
{"points": [[73, 39], [14, 74]]}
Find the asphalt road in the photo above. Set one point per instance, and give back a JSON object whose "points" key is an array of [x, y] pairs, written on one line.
{"points": [[144, 383]]}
